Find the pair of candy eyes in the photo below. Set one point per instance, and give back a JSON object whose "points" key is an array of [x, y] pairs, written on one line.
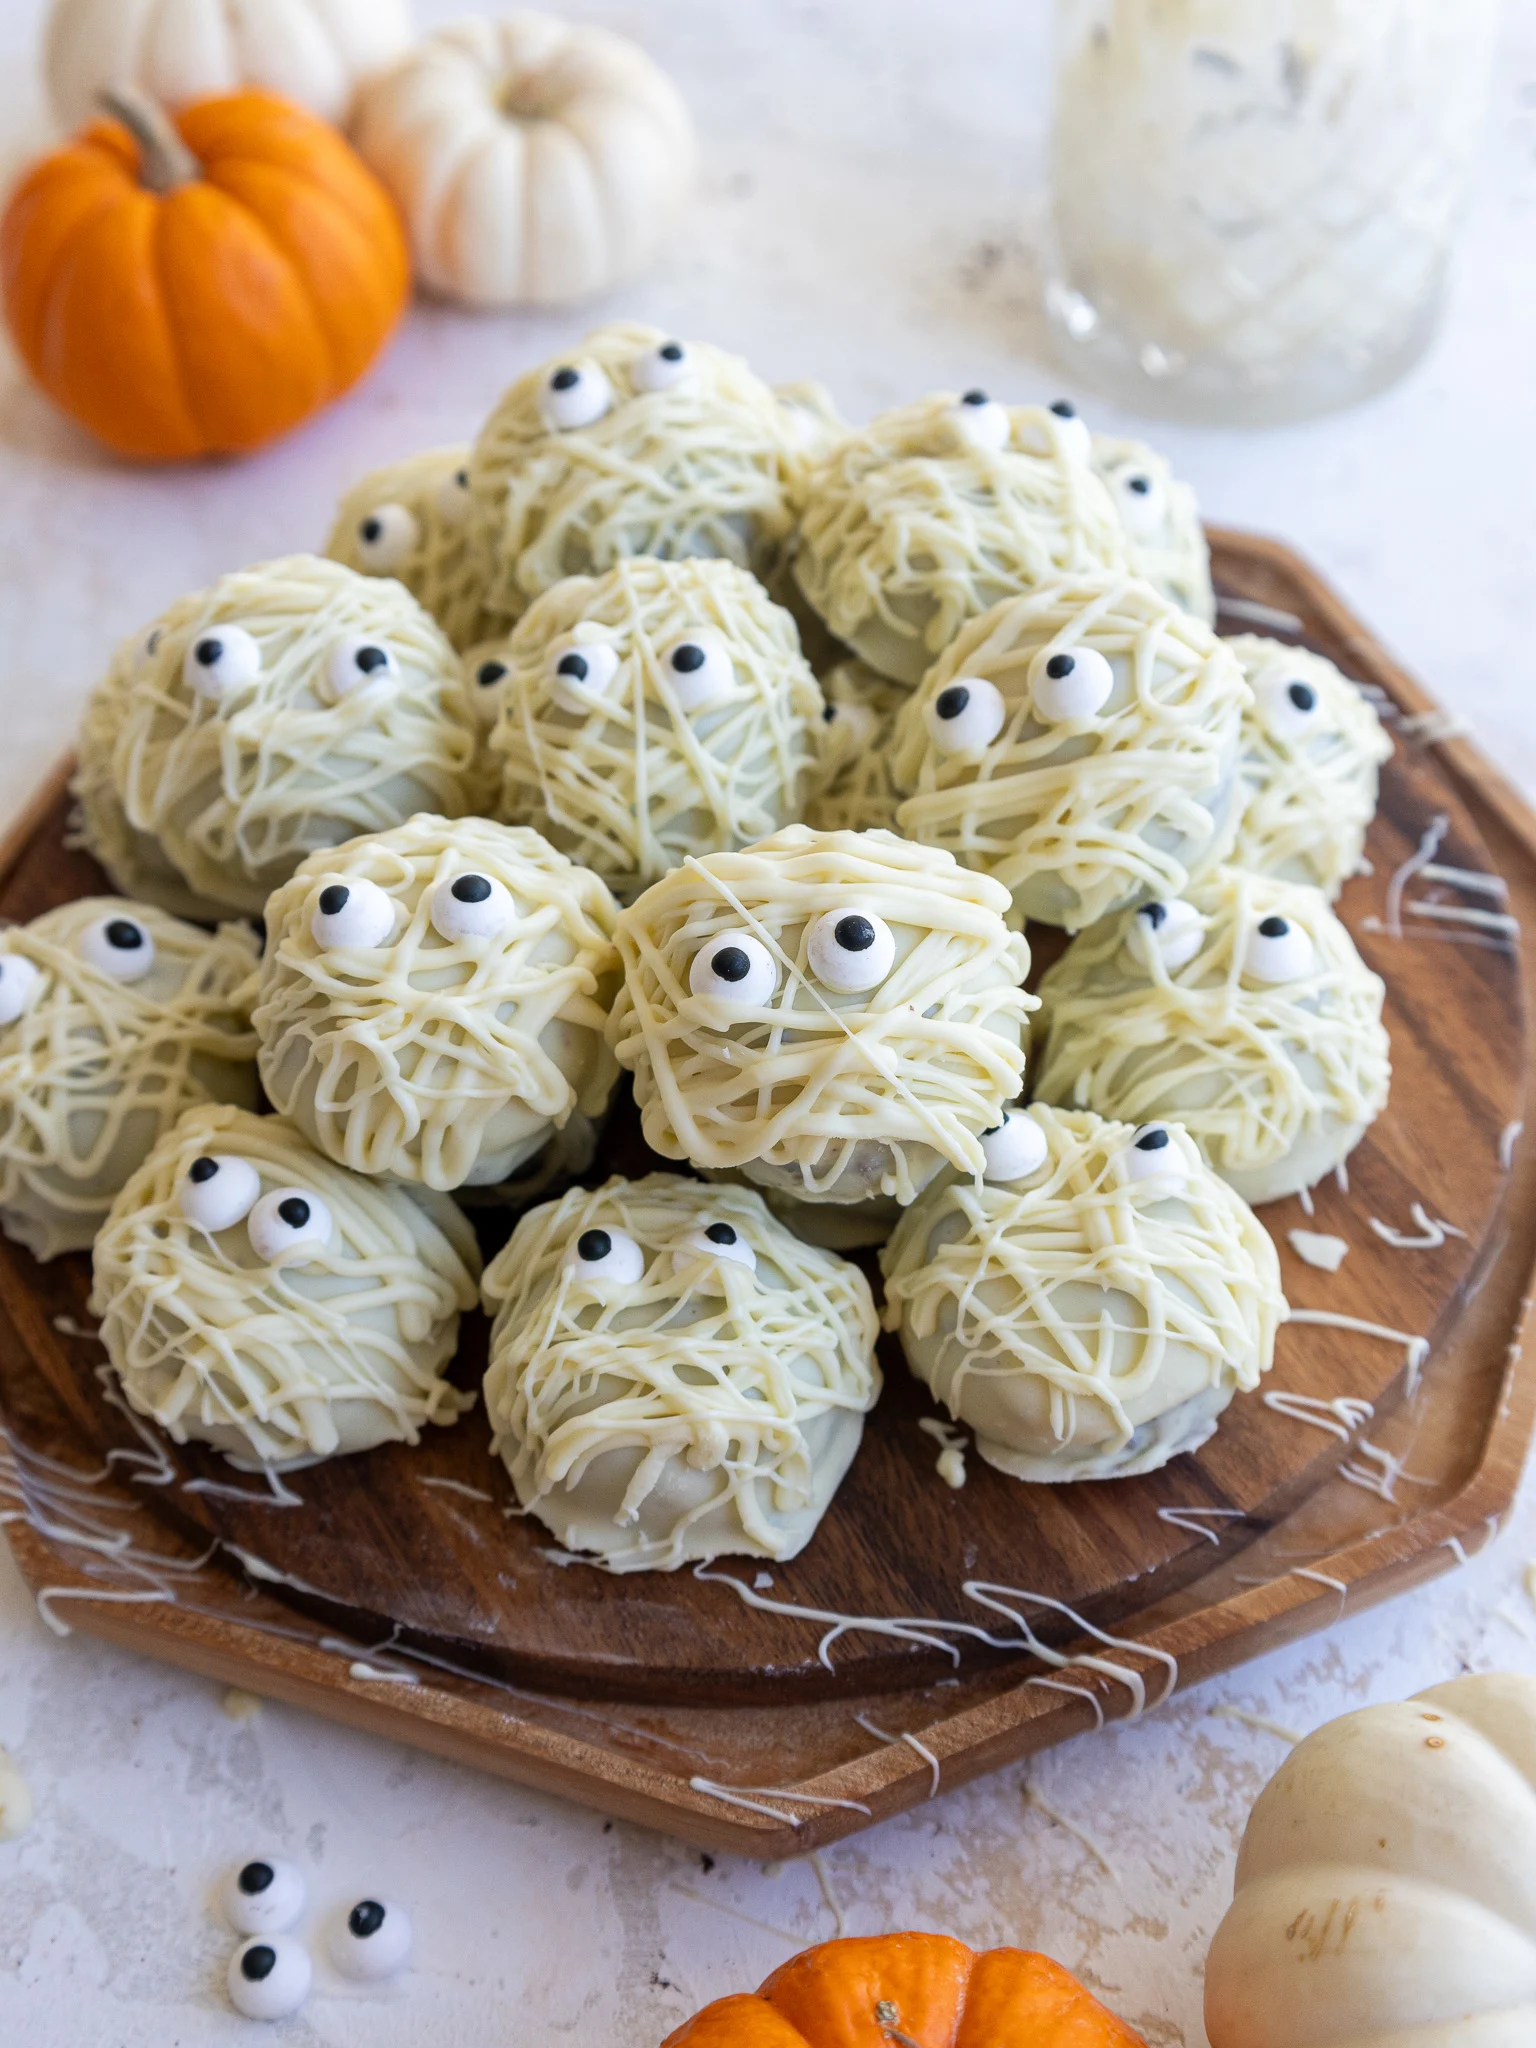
{"points": [[227, 658], [1018, 1147], [360, 913], [390, 534], [968, 714], [614, 1256], [981, 422], [579, 394], [1277, 949], [119, 947], [698, 668], [222, 1190], [848, 951]]}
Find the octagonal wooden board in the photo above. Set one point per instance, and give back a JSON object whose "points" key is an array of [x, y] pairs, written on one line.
{"points": [[415, 1546]]}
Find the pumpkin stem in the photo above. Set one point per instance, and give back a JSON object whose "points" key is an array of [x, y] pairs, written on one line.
{"points": [[164, 159]]}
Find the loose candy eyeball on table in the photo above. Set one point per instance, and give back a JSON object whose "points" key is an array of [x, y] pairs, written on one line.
{"points": [[269, 1977], [410, 520], [263, 1895], [1164, 540], [371, 1940]]}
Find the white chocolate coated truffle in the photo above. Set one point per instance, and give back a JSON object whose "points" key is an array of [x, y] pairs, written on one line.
{"points": [[332, 1348], [1164, 540], [911, 526], [706, 1406], [1095, 1320], [744, 1057], [704, 463], [1266, 1042], [661, 710], [236, 787], [411, 520], [854, 790], [1098, 801], [1312, 749], [95, 1067], [451, 1050]]}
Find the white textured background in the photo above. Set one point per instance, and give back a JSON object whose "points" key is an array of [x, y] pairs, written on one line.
{"points": [[865, 218]]}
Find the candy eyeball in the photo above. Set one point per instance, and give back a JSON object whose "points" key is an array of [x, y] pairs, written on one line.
{"points": [[120, 947], [1072, 436], [265, 1895], [472, 906], [1289, 709], [219, 661], [849, 950], [580, 676], [374, 1940], [219, 1192], [1278, 950], [575, 395], [851, 726], [269, 1977], [356, 913], [453, 498], [1152, 1155], [1069, 685], [1015, 1149], [489, 675], [387, 537], [603, 1254], [358, 664], [19, 977], [1170, 932], [1143, 504], [967, 716], [734, 967], [980, 422], [662, 367], [720, 1242], [151, 645], [288, 1226], [699, 670]]}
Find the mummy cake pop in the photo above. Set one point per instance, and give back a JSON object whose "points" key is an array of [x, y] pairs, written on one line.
{"points": [[674, 1376], [855, 790], [634, 443], [836, 1014], [1079, 744], [932, 513], [1091, 1316], [1312, 747], [661, 710], [287, 708], [256, 1297], [411, 521], [432, 1000], [1164, 540], [1241, 1009], [114, 1018]]}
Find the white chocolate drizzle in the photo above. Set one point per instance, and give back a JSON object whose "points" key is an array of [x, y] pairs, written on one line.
{"points": [[750, 1798], [1259, 1722], [1509, 1138], [1255, 614], [1377, 1470], [1432, 1232], [952, 1443], [1033, 1796], [1318, 1248], [1416, 1347], [913, 1743], [1428, 846], [459, 1486], [1340, 1417], [1192, 1520]]}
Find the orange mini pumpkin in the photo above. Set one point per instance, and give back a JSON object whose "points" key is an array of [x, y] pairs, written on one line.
{"points": [[910, 1991], [198, 289]]}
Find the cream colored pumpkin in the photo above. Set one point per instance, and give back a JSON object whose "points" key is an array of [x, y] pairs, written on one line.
{"points": [[535, 162], [312, 51], [1386, 1886]]}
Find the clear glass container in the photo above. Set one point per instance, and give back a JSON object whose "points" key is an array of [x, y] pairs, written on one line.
{"points": [[1253, 201]]}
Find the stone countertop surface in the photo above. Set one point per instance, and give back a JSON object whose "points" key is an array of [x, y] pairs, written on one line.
{"points": [[865, 218]]}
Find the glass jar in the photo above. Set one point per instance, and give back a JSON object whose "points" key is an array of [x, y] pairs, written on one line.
{"points": [[1253, 201]]}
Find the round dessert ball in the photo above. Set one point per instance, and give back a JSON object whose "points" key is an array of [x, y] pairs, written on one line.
{"points": [[936, 511], [432, 1000], [1080, 745], [661, 710], [1165, 542], [854, 789], [1243, 1010], [1092, 1316], [1308, 775], [287, 708], [673, 1375], [114, 1018], [633, 443], [836, 1014], [410, 520], [256, 1297]]}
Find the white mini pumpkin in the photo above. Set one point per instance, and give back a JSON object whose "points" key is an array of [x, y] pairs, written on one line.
{"points": [[312, 51], [535, 162], [1386, 1886]]}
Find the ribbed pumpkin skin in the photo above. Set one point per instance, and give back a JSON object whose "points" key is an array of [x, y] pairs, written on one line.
{"points": [[209, 319], [877, 1991]]}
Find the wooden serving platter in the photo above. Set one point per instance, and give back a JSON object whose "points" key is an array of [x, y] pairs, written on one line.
{"points": [[624, 1691]]}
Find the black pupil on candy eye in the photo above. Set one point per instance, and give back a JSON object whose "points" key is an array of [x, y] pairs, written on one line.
{"points": [[1064, 409], [829, 712], [471, 888], [258, 1963], [1141, 485], [564, 380], [671, 351], [294, 1212], [720, 1233], [1155, 913], [731, 964], [255, 1877], [593, 1245], [490, 672], [977, 397], [369, 659], [199, 1171], [372, 529], [209, 651], [333, 900], [854, 934], [461, 478], [1274, 928], [573, 665], [686, 659], [122, 935], [1302, 695], [1060, 665], [366, 1918], [1152, 1141], [152, 644], [950, 703]]}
